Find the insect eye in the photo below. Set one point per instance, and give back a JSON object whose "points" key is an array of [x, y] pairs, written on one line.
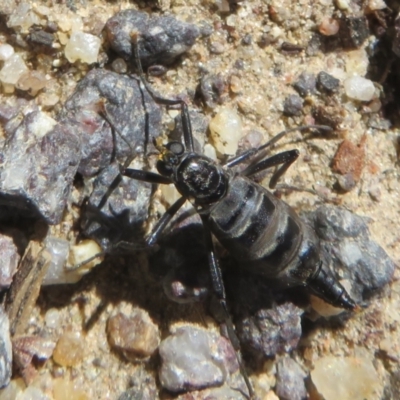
{"points": [[176, 148], [163, 168]]}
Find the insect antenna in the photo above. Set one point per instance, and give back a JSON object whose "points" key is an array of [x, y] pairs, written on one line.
{"points": [[258, 150]]}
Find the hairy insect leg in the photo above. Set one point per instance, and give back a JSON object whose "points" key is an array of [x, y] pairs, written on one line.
{"points": [[285, 159], [219, 291], [252, 152], [186, 123]]}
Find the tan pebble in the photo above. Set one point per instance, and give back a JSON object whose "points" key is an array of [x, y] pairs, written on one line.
{"points": [[134, 335], [64, 389], [271, 396], [69, 350], [329, 26], [357, 377]]}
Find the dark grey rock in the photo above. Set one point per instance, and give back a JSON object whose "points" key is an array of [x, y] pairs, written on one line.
{"points": [[162, 39], [38, 164], [293, 105], [290, 380], [5, 349], [271, 331], [353, 32], [336, 223], [143, 387], [9, 261], [124, 211], [211, 89], [346, 182], [305, 84], [194, 359], [40, 37], [327, 83], [131, 110], [346, 241]]}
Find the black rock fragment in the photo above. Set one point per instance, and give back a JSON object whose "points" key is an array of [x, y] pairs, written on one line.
{"points": [[162, 39], [131, 110], [353, 32], [38, 164], [305, 84], [292, 105], [327, 83]]}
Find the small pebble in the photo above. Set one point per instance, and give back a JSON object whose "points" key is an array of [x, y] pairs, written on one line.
{"points": [[52, 318], [82, 252], [349, 161], [13, 390], [327, 83], [223, 6], [353, 32], [305, 84], [224, 392], [32, 82], [226, 131], [5, 350], [290, 380], [119, 66], [135, 335], [67, 389], [376, 5], [194, 359], [359, 88], [346, 378], [14, 67], [9, 261], [271, 331], [83, 47], [293, 105], [70, 349], [6, 51], [329, 26], [56, 273], [347, 182]]}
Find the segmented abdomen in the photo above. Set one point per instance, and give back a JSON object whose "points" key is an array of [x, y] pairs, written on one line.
{"points": [[260, 230]]}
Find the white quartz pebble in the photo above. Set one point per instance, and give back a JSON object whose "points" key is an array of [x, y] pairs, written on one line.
{"points": [[359, 88], [82, 46]]}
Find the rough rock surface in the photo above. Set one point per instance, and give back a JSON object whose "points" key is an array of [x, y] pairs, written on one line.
{"points": [[162, 39]]}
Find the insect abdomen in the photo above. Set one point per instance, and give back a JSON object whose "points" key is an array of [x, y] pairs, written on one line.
{"points": [[257, 228]]}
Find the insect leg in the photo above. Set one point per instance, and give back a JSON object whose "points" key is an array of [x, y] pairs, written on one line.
{"points": [[285, 159], [252, 152], [186, 124], [146, 176], [156, 232], [219, 291]]}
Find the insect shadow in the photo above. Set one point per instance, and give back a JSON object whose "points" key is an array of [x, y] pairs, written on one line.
{"points": [[261, 232]]}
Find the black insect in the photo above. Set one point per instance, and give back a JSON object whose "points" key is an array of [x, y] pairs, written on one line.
{"points": [[260, 231]]}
